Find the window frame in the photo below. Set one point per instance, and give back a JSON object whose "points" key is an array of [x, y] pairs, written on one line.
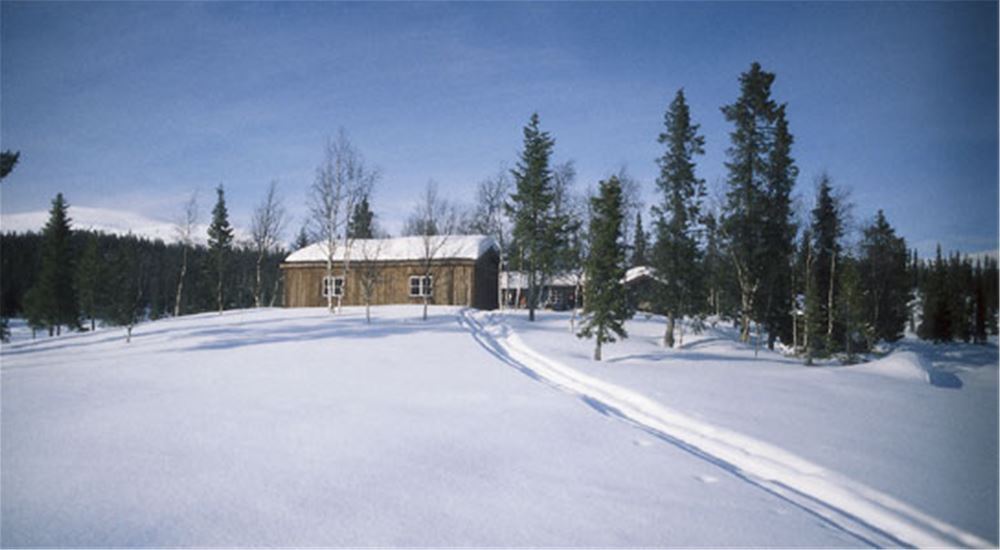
{"points": [[424, 286], [338, 284]]}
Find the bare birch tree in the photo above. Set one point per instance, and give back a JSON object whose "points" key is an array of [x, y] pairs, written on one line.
{"points": [[490, 218], [266, 227], [370, 271], [184, 228], [434, 220], [342, 179]]}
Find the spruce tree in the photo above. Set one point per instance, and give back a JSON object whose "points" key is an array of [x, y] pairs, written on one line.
{"points": [[826, 231], [851, 307], [775, 304], [936, 322], [53, 296], [606, 304], [675, 254], [302, 239], [220, 239], [744, 215], [125, 288], [531, 208], [885, 281], [639, 243], [361, 224], [88, 280]]}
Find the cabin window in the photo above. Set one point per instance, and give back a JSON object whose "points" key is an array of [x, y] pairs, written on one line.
{"points": [[333, 286], [421, 286]]}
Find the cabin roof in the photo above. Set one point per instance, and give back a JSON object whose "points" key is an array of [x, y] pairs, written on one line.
{"points": [[448, 247]]}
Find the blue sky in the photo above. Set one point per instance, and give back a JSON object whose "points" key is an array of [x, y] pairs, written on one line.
{"points": [[132, 105]]}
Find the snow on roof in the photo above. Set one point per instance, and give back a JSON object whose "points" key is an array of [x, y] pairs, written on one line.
{"points": [[640, 272], [519, 279], [461, 247]]}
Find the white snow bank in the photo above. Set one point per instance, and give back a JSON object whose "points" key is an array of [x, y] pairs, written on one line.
{"points": [[463, 247], [871, 515], [903, 365]]}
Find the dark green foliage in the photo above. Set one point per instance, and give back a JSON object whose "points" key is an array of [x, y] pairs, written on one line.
{"points": [[220, 241], [53, 300], [826, 231], [88, 281], [361, 224], [7, 161], [775, 302], [124, 287], [640, 243], [605, 304], [531, 208], [756, 216], [302, 239], [885, 281], [851, 308], [936, 319], [676, 257]]}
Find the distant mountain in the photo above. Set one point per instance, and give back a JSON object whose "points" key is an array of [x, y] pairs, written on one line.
{"points": [[115, 222]]}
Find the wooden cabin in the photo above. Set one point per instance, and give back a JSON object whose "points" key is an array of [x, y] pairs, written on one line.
{"points": [[463, 271]]}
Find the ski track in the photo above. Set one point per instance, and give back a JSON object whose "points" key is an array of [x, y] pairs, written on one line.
{"points": [[873, 517]]}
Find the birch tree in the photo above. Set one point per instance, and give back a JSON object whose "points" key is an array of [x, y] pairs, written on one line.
{"points": [[342, 180], [266, 228], [184, 228], [490, 218], [370, 272], [434, 220]]}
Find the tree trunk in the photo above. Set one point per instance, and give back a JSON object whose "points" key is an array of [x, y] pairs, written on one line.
{"points": [[368, 311], [829, 300], [668, 335], [257, 283], [128, 334], [329, 292], [531, 295], [218, 294], [597, 350], [277, 287], [91, 324], [180, 282], [425, 307]]}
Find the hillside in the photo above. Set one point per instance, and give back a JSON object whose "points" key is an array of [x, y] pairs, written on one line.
{"points": [[297, 428]]}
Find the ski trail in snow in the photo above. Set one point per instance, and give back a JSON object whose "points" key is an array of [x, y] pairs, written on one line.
{"points": [[872, 516]]}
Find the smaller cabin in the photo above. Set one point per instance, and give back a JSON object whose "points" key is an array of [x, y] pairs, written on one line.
{"points": [[463, 271]]}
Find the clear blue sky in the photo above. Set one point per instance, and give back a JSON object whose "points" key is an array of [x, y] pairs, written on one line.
{"points": [[132, 105]]}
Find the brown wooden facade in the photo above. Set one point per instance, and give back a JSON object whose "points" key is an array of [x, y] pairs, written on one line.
{"points": [[455, 282]]}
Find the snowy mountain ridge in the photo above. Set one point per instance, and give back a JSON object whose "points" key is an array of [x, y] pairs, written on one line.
{"points": [[104, 220]]}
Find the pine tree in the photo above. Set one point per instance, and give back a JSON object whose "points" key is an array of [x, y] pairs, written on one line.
{"points": [[885, 281], [746, 207], [851, 306], [361, 224], [675, 255], [936, 322], [531, 208], [606, 304], [220, 239], [125, 288], [778, 234], [826, 231], [54, 298], [639, 243], [88, 280], [302, 239]]}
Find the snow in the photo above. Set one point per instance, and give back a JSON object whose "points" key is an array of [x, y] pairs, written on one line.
{"points": [[114, 222], [513, 280], [467, 247], [296, 427]]}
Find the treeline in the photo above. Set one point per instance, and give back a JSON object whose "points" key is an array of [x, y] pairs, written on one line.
{"points": [[749, 257], [63, 278], [958, 298]]}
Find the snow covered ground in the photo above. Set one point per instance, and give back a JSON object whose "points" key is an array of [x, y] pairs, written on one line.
{"points": [[298, 428]]}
